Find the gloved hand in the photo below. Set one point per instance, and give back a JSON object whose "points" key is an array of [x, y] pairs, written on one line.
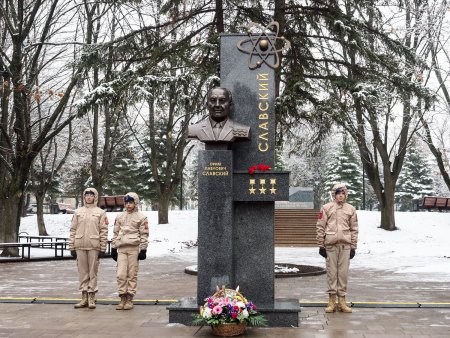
{"points": [[114, 254], [142, 255], [352, 253], [73, 253], [323, 252]]}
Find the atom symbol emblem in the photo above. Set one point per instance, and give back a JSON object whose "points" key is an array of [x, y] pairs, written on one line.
{"points": [[263, 45]]}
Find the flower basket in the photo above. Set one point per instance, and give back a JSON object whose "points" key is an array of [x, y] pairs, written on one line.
{"points": [[228, 313], [229, 329]]}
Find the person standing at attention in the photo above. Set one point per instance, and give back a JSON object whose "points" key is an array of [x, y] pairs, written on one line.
{"points": [[337, 237], [129, 245], [87, 243]]}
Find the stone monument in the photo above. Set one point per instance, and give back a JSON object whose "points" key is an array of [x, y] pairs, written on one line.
{"points": [[236, 205]]}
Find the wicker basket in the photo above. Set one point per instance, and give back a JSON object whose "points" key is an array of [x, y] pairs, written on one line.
{"points": [[229, 329], [228, 292]]}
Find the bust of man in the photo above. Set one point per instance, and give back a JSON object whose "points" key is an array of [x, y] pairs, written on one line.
{"points": [[218, 127]]}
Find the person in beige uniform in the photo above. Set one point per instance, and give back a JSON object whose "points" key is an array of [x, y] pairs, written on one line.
{"points": [[337, 237], [87, 242], [129, 245]]}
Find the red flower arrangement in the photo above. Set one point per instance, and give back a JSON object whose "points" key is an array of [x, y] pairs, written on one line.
{"points": [[259, 167]]}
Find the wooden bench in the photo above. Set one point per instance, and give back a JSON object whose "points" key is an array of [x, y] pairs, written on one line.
{"points": [[65, 208], [111, 203], [120, 202], [295, 227], [431, 203], [442, 203]]}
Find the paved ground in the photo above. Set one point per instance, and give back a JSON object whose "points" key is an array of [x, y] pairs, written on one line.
{"points": [[384, 305]]}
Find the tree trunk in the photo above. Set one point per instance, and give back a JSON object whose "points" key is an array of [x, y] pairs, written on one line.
{"points": [[77, 202], [26, 205], [317, 202], [163, 209], [435, 151], [280, 17], [387, 205], [40, 215], [387, 214], [220, 28], [9, 209]]}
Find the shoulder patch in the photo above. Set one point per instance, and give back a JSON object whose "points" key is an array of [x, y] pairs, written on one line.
{"points": [[106, 220], [320, 216], [146, 224]]}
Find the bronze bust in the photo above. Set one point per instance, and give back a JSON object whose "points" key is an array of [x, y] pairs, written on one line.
{"points": [[218, 127]]}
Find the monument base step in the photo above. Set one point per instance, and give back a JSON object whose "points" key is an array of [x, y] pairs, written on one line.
{"points": [[283, 314]]}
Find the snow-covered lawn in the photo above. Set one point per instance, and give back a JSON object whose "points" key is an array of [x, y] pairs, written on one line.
{"points": [[422, 245]]}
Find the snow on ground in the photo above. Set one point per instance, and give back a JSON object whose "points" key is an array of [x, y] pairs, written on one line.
{"points": [[421, 246], [179, 234]]}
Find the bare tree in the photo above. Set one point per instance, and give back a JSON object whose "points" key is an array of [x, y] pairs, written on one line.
{"points": [[347, 68], [437, 51], [45, 171], [26, 28]]}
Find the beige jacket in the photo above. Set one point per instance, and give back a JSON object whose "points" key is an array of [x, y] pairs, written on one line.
{"points": [[131, 228], [89, 228], [337, 224]]}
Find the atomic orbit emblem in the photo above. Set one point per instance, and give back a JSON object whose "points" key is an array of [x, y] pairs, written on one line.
{"points": [[261, 46]]}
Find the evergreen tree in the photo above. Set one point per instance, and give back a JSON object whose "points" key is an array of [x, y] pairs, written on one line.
{"points": [[130, 173], [415, 179], [76, 178], [345, 168]]}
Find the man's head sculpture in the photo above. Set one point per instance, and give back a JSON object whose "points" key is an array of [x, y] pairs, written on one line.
{"points": [[218, 127], [219, 102]]}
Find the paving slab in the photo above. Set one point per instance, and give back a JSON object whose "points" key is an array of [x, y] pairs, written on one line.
{"points": [[163, 279]]}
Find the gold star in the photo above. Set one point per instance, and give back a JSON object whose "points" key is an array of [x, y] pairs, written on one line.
{"points": [[252, 191], [262, 191], [273, 191]]}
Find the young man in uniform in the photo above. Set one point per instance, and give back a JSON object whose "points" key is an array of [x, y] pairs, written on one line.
{"points": [[88, 240], [129, 245], [337, 237]]}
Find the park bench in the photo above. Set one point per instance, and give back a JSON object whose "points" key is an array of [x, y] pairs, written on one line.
{"points": [[47, 242], [65, 208], [111, 203], [26, 242], [431, 203], [442, 203], [25, 248], [295, 227], [59, 244]]}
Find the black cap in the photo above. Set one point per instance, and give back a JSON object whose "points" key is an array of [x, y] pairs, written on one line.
{"points": [[128, 198]]}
